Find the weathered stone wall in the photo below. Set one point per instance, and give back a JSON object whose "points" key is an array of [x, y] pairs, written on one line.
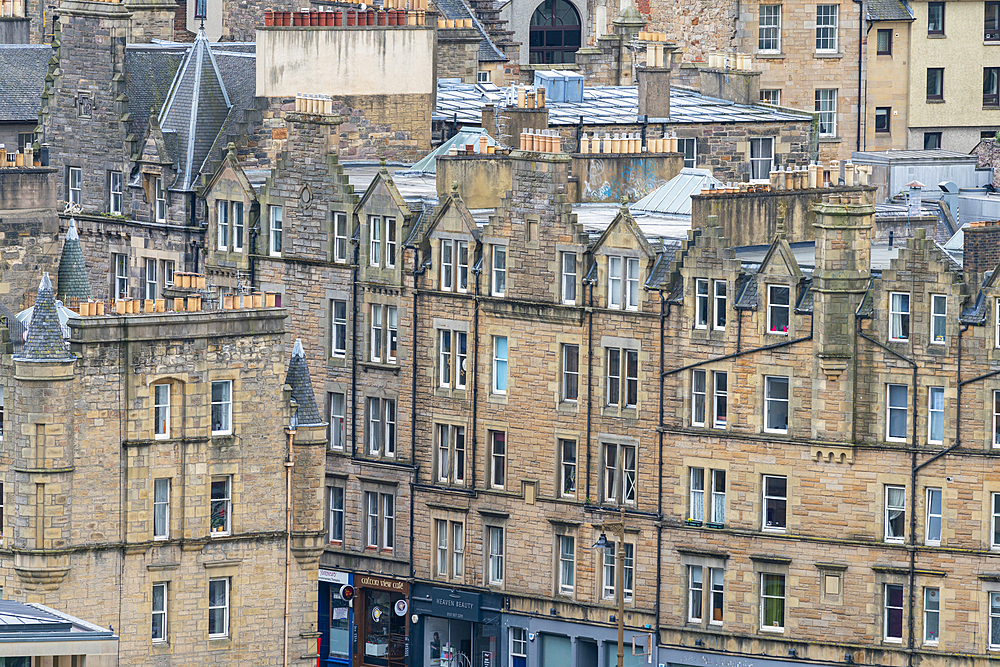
{"points": [[29, 235], [458, 54], [699, 28], [482, 179], [608, 178]]}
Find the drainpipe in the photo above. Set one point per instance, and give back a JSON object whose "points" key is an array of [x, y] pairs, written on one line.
{"points": [[862, 105], [475, 375], [413, 403], [354, 348], [664, 311], [590, 371], [289, 464]]}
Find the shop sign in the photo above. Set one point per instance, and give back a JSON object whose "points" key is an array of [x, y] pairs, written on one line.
{"points": [[456, 604], [366, 581], [401, 607], [333, 577]]}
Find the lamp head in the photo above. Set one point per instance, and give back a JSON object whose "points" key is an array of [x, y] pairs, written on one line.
{"points": [[602, 542]]}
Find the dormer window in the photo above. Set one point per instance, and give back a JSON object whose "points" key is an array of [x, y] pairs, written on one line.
{"points": [[454, 265], [161, 201], [701, 303], [623, 288], [777, 309], [383, 241]]}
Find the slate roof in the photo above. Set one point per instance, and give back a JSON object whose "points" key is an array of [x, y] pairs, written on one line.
{"points": [[458, 9], [73, 279], [149, 71], [661, 267], [805, 304], [45, 335], [196, 110], [14, 326], [888, 10], [24, 67], [238, 67], [307, 414], [746, 292]]}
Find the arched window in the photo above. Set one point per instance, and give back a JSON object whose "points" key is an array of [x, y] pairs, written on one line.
{"points": [[555, 33]]}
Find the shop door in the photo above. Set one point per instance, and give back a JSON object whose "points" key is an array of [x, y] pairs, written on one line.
{"points": [[397, 635]]}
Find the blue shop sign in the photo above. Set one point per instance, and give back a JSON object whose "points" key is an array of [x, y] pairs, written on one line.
{"points": [[450, 603]]}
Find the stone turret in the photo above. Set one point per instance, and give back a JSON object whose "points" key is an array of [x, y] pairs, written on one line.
{"points": [[73, 280]]}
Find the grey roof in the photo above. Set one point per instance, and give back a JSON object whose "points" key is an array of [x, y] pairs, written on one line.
{"points": [[24, 67], [746, 292], [458, 9], [674, 196], [466, 135], [15, 327], [73, 279], [919, 156], [45, 333], [239, 74], [805, 302], [306, 414], [18, 619], [888, 10], [196, 110], [149, 71], [661, 267], [610, 105]]}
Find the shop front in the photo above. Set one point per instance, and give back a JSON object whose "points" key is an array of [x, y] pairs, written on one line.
{"points": [[455, 628], [335, 618], [381, 609]]}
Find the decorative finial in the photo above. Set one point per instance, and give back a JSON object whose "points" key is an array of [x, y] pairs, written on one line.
{"points": [[381, 162], [71, 233], [297, 350], [624, 201], [454, 187]]}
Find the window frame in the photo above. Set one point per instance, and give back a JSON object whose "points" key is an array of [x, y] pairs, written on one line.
{"points": [[500, 366], [161, 407], [498, 271], [893, 409], [702, 302], [375, 241], [764, 596], [570, 389], [160, 206], [827, 28], [769, 381], [720, 305], [760, 166], [780, 502], [939, 30], [567, 467], [498, 459], [699, 397], [338, 421], [825, 106], [769, 32], [720, 399], [222, 224], [226, 405], [239, 227], [335, 514], [939, 318], [991, 33], [887, 618], [609, 564], [689, 147], [116, 193], [379, 514], [996, 419], [275, 233], [494, 555], [899, 319], [74, 175], [338, 328], [152, 284], [936, 137], [225, 607], [928, 612], [993, 609], [696, 594], [569, 275], [161, 613], [774, 308], [930, 516], [991, 86], [879, 51], [340, 236], [567, 564], [994, 521], [886, 113], [161, 508], [121, 276], [620, 480], [771, 96], [935, 414], [935, 76], [225, 502], [450, 458], [889, 531], [381, 426]]}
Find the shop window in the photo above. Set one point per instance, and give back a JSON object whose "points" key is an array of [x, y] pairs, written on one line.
{"points": [[381, 631]]}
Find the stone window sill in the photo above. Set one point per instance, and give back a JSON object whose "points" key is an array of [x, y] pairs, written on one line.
{"points": [[933, 35], [830, 140], [825, 56], [771, 56], [935, 101]]}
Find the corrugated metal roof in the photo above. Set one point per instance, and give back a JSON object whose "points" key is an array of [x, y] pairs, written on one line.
{"points": [[466, 135], [610, 105], [889, 157], [674, 196]]}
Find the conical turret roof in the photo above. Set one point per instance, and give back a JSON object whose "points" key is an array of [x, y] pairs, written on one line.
{"points": [[302, 389], [73, 279], [45, 335]]}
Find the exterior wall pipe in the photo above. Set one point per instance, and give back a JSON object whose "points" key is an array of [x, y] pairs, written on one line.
{"points": [[475, 373]]}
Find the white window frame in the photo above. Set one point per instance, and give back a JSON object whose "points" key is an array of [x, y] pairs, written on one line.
{"points": [[452, 372], [115, 193], [769, 381], [225, 501], [376, 341], [827, 28], [997, 311], [932, 517], [939, 319], [893, 409], [825, 106], [222, 222], [518, 636], [887, 519], [236, 217], [995, 521], [161, 200], [899, 319], [696, 594], [495, 555], [699, 388], [886, 637], [457, 549], [719, 305], [498, 459], [773, 308], [336, 514], [75, 185], [338, 344], [620, 474], [567, 467], [772, 496], [697, 498], [701, 303], [769, 29], [161, 411], [338, 420], [610, 582], [161, 508], [382, 433], [152, 284], [569, 278], [720, 399], [500, 365], [387, 503], [168, 273], [380, 520], [570, 390], [994, 612], [616, 279], [375, 239], [441, 549], [447, 265], [276, 230], [159, 613], [935, 414], [717, 582], [121, 276], [764, 597], [631, 283], [498, 285], [932, 608], [761, 166], [451, 450], [689, 147], [770, 96], [567, 564], [340, 235], [390, 242], [225, 607], [225, 404], [996, 419], [623, 377]]}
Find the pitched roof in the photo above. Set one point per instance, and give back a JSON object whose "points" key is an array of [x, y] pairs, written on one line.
{"points": [[196, 110], [149, 71], [45, 335], [888, 10], [306, 414], [674, 196], [466, 135], [24, 67], [73, 279], [458, 9]]}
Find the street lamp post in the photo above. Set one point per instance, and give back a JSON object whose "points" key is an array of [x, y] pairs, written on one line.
{"points": [[617, 529]]}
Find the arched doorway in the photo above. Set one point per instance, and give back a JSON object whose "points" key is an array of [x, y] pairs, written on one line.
{"points": [[555, 33]]}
